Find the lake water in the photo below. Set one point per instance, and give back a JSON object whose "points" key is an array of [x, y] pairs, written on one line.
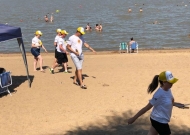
{"points": [[171, 31]]}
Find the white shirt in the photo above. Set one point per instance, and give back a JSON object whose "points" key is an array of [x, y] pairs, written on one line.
{"points": [[56, 39], [163, 103], [63, 43], [36, 41], [76, 43]]}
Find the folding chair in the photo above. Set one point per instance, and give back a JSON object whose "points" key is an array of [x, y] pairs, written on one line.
{"points": [[134, 46], [5, 82], [123, 47]]}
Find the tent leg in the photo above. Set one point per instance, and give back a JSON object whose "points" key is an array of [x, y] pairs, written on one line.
{"points": [[22, 49]]}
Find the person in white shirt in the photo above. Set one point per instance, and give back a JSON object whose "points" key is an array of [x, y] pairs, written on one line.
{"points": [[55, 43], [74, 45], [61, 56], [162, 103], [35, 50]]}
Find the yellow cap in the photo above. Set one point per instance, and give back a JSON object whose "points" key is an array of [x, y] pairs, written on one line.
{"points": [[168, 77], [38, 33], [81, 30], [58, 30], [64, 32]]}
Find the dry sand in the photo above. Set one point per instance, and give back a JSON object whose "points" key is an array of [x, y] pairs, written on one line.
{"points": [[117, 85]]}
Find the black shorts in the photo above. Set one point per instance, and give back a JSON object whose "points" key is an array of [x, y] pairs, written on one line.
{"points": [[161, 128], [56, 53], [61, 58]]}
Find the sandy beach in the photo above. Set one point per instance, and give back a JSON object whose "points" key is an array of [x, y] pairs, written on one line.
{"points": [[117, 88]]}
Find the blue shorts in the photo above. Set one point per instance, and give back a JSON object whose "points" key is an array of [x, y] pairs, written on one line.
{"points": [[35, 52]]}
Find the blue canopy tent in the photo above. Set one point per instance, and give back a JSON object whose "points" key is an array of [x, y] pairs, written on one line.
{"points": [[9, 32]]}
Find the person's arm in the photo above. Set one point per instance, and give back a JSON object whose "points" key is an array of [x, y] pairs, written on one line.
{"points": [[55, 44], [61, 48], [33, 45], [90, 48], [141, 112], [44, 48], [179, 105], [71, 50]]}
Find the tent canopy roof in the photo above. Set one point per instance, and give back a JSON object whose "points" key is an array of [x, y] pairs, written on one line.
{"points": [[9, 32]]}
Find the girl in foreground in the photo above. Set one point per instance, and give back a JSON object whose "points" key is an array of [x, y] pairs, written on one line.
{"points": [[162, 103], [35, 50]]}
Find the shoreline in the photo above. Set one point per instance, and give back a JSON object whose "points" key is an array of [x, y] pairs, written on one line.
{"points": [[168, 50]]}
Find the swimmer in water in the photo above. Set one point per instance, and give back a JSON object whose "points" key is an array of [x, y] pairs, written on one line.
{"points": [[46, 18], [100, 27], [141, 10], [51, 18], [155, 22], [88, 27], [129, 10], [97, 27]]}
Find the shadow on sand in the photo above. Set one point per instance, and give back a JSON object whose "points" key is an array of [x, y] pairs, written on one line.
{"points": [[16, 82], [117, 125]]}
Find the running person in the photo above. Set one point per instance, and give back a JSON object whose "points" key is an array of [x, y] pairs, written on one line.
{"points": [[162, 103], [75, 43], [35, 49], [61, 56]]}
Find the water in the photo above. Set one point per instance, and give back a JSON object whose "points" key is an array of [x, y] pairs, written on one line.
{"points": [[171, 31]]}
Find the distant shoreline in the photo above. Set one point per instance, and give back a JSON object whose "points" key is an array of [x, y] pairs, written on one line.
{"points": [[99, 52]]}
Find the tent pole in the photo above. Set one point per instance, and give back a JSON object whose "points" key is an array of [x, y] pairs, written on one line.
{"points": [[22, 49]]}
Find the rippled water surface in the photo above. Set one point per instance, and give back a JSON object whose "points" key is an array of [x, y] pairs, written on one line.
{"points": [[171, 31]]}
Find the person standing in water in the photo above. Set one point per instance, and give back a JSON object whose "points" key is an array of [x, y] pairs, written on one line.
{"points": [[51, 18]]}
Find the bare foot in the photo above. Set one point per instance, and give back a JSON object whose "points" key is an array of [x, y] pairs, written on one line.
{"points": [[42, 71]]}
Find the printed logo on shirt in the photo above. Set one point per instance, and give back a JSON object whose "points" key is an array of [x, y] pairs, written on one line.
{"points": [[79, 41]]}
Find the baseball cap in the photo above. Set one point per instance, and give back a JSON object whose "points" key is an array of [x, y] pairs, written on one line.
{"points": [[38, 32], [167, 76], [64, 32], [81, 30], [58, 30]]}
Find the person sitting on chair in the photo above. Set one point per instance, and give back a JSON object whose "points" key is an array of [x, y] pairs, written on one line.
{"points": [[130, 44]]}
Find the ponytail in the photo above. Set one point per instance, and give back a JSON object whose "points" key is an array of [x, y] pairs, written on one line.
{"points": [[154, 84]]}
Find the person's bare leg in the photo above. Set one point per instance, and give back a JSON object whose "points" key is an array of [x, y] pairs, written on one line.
{"points": [[75, 77], [65, 66], [35, 63], [41, 62], [79, 75], [55, 65], [55, 61], [152, 131]]}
